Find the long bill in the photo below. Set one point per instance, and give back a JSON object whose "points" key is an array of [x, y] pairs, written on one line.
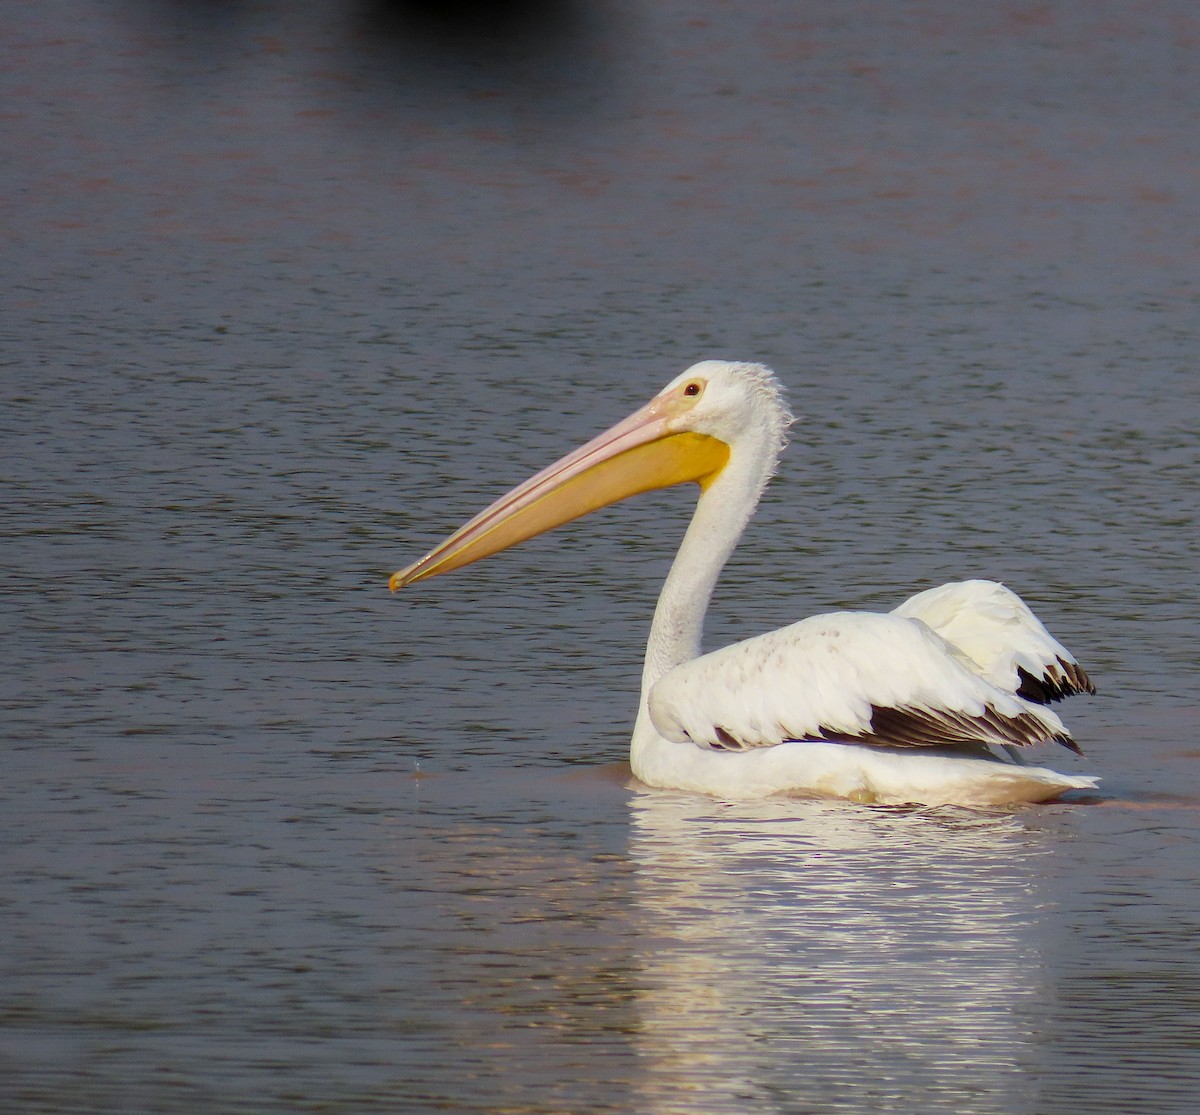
{"points": [[638, 454]]}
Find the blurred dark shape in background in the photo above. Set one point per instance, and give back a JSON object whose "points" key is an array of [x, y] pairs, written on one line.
{"points": [[548, 51], [476, 27], [543, 59]]}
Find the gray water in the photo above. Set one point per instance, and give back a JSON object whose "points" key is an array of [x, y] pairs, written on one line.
{"points": [[292, 290]]}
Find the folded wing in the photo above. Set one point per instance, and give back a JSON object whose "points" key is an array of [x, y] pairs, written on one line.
{"points": [[855, 677], [997, 630]]}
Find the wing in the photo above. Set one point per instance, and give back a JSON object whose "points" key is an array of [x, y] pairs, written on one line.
{"points": [[849, 677], [995, 628]]}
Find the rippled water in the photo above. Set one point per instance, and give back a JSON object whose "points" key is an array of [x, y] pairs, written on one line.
{"points": [[291, 294]]}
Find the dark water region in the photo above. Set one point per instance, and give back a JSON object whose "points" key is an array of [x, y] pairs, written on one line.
{"points": [[293, 290]]}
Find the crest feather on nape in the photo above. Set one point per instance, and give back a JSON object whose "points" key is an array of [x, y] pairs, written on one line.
{"points": [[769, 394]]}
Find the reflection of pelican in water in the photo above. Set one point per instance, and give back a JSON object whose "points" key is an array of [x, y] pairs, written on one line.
{"points": [[800, 957], [900, 707]]}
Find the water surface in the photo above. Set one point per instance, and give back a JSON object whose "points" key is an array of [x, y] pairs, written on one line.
{"points": [[290, 295]]}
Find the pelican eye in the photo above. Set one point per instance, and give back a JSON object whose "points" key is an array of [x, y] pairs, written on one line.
{"points": [[694, 388]]}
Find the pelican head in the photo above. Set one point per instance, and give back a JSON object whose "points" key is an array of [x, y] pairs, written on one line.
{"points": [[689, 432]]}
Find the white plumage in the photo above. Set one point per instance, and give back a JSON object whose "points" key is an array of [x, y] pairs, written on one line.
{"points": [[996, 629], [926, 704], [830, 677]]}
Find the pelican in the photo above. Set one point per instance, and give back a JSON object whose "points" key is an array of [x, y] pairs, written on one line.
{"points": [[928, 704]]}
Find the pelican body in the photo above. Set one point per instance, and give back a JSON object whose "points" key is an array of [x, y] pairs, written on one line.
{"points": [[928, 704]]}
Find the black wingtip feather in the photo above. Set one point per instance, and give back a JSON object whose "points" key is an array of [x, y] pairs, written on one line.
{"points": [[1064, 679], [906, 727]]}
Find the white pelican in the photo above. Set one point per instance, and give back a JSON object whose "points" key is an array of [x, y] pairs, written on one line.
{"points": [[924, 705]]}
